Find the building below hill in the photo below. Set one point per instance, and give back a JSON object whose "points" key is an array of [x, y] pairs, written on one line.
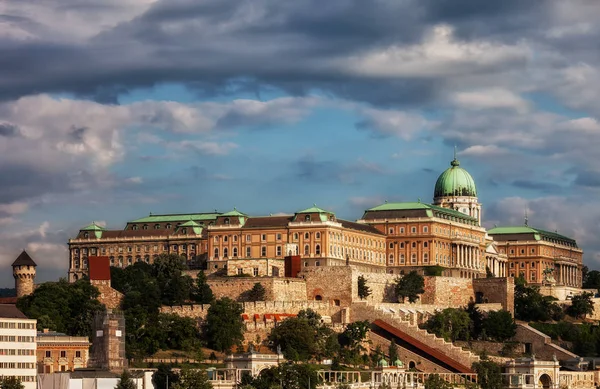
{"points": [[17, 346], [58, 352], [445, 237]]}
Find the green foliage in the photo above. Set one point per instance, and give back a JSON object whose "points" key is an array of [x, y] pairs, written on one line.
{"points": [[62, 306], [287, 376], [175, 287], [10, 382], [203, 294], [489, 374], [434, 381], [500, 325], [192, 379], [581, 305], [363, 289], [223, 327], [477, 321], [451, 324], [434, 271], [393, 352], [125, 381], [354, 334], [410, 286], [257, 293], [162, 375], [531, 305]]}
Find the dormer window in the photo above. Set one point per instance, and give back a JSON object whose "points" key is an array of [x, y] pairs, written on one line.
{"points": [[145, 227], [157, 226], [86, 235], [134, 227], [168, 226], [307, 218], [226, 221], [184, 230]]}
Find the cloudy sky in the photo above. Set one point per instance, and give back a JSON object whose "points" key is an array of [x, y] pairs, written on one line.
{"points": [[111, 109]]}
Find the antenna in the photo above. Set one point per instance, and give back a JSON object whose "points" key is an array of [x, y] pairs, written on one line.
{"points": [[526, 218], [455, 152]]}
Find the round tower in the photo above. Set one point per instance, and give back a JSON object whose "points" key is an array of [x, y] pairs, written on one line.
{"points": [[24, 273], [455, 189]]}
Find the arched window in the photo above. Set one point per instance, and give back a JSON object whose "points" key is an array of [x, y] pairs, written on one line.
{"points": [[112, 261], [147, 258], [134, 227], [318, 235], [225, 238], [145, 227], [216, 252], [225, 252], [413, 258], [425, 258], [318, 249], [129, 260], [306, 235], [306, 249], [235, 252], [138, 258], [295, 236], [216, 239], [169, 226], [157, 226]]}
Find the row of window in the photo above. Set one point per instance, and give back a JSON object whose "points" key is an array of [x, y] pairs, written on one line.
{"points": [[129, 249], [335, 251], [63, 354], [17, 365], [19, 351], [21, 326], [24, 378], [306, 235], [413, 258], [336, 236], [413, 230], [12, 338]]}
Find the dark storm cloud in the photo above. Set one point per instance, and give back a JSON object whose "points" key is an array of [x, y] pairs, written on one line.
{"points": [[285, 44], [8, 130], [546, 187], [19, 182], [588, 178]]}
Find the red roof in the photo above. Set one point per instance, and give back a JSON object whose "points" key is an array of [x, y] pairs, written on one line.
{"points": [[99, 268], [8, 300]]}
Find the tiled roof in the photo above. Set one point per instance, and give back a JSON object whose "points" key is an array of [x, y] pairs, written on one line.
{"points": [[8, 300], [360, 227], [267, 221], [10, 311], [314, 209], [24, 260], [135, 233], [177, 217], [537, 233]]}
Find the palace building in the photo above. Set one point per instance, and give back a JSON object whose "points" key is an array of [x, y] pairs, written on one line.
{"points": [[444, 238]]}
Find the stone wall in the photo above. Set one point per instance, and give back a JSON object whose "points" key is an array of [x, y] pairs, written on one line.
{"points": [[448, 291], [339, 284], [277, 289], [111, 298], [561, 292], [496, 290], [541, 344]]}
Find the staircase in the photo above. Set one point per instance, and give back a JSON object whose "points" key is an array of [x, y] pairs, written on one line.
{"points": [[407, 329]]}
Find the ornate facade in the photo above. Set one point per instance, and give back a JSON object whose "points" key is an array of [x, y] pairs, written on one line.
{"points": [[445, 237]]}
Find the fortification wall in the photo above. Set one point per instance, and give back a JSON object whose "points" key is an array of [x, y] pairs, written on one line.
{"points": [[448, 291], [111, 298], [500, 290], [277, 289], [339, 284]]}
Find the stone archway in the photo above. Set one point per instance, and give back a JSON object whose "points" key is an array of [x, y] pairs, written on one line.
{"points": [[318, 294], [545, 381]]}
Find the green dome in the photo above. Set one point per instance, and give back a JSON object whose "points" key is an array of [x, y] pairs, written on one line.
{"points": [[455, 181]]}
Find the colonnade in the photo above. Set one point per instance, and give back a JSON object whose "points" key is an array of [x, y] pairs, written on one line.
{"points": [[496, 266], [568, 275], [467, 256]]}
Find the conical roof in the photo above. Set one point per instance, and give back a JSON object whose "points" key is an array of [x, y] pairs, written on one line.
{"points": [[24, 260]]}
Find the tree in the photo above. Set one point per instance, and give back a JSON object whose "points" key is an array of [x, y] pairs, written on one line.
{"points": [[531, 305], [10, 382], [581, 305], [296, 338], [175, 286], [393, 352], [363, 289], [162, 375], [192, 379], [62, 306], [450, 324], [257, 293], [202, 294], [410, 286], [125, 381], [500, 325], [477, 320], [434, 381], [355, 333], [224, 327], [489, 374], [287, 376]]}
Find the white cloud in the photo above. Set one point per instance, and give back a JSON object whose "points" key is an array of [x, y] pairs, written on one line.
{"points": [[490, 98], [209, 148], [387, 122], [440, 54], [14, 208], [484, 150]]}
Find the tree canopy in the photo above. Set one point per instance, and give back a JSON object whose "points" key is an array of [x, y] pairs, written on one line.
{"points": [[451, 324], [581, 305], [410, 286], [203, 294], [10, 382], [224, 327], [125, 381], [531, 305], [62, 306], [363, 289], [500, 325], [489, 374], [192, 379]]}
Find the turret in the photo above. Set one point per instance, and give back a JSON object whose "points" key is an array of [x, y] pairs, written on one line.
{"points": [[24, 273]]}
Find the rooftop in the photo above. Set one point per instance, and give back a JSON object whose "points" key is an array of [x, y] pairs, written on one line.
{"points": [[538, 234], [10, 311], [24, 260], [177, 217]]}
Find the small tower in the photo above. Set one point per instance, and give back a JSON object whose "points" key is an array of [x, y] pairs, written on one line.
{"points": [[24, 273]]}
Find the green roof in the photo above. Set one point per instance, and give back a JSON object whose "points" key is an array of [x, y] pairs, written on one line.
{"points": [[314, 209], [192, 224], [176, 217], [455, 181], [95, 228], [418, 205], [538, 233], [235, 212]]}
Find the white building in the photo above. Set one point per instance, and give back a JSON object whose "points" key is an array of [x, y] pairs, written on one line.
{"points": [[18, 345]]}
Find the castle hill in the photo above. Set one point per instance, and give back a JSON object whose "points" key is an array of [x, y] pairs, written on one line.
{"points": [[315, 194]]}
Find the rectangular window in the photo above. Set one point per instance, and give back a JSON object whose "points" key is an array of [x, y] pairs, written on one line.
{"points": [[248, 252], [278, 236], [263, 237], [248, 238], [401, 258], [413, 230], [402, 230], [63, 354], [279, 251], [155, 248], [77, 354], [263, 251], [48, 354], [255, 271]]}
